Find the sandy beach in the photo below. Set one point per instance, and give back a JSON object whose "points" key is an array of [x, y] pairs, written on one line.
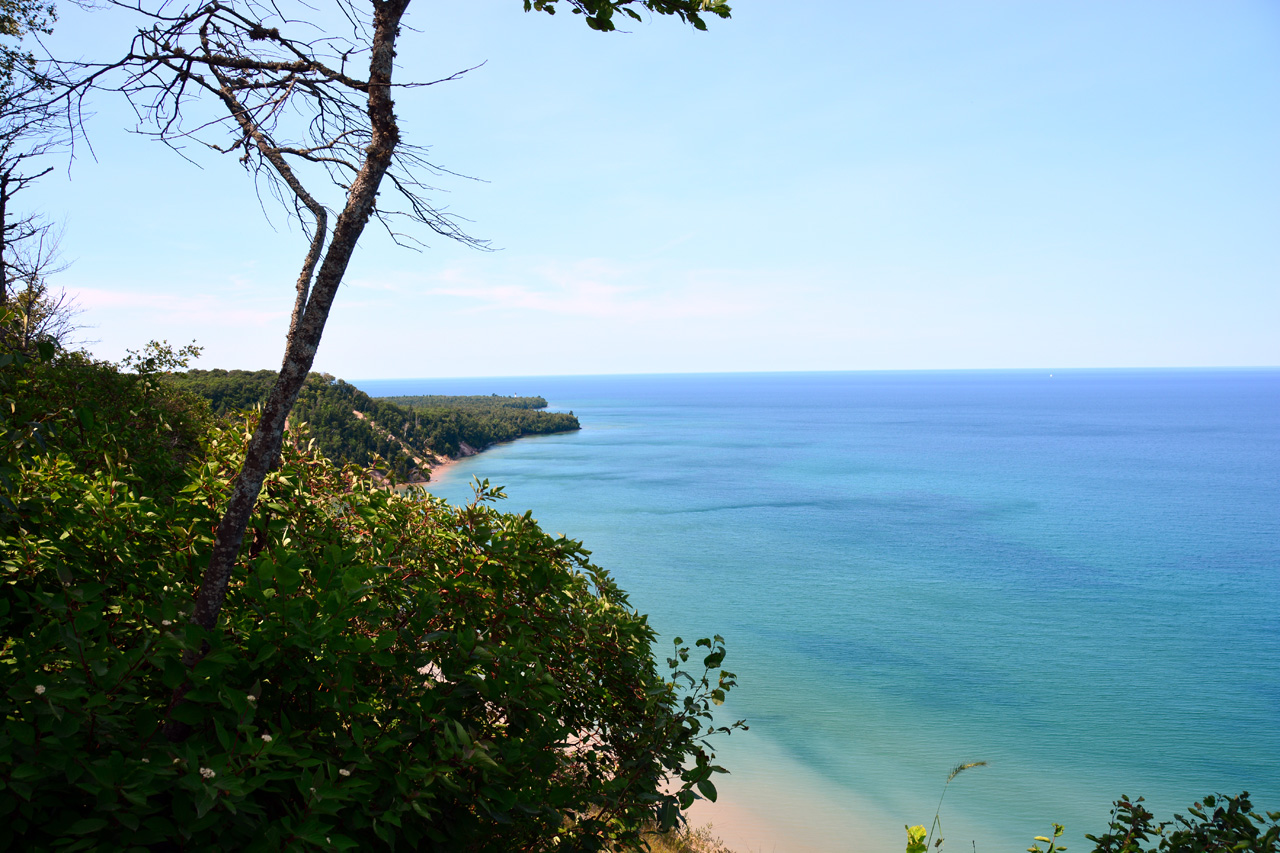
{"points": [[439, 467]]}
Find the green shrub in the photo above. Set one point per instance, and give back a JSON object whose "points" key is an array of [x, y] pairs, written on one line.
{"points": [[1217, 824], [391, 673], [93, 415]]}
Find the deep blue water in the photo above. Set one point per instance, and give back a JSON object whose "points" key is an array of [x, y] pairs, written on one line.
{"points": [[1074, 577]]}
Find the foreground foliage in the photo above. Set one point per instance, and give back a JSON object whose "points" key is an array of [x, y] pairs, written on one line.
{"points": [[1218, 824], [393, 673]]}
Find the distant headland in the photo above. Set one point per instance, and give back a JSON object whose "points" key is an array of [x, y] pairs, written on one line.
{"points": [[399, 439]]}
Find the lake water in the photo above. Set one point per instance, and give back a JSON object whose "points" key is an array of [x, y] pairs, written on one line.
{"points": [[1074, 577]]}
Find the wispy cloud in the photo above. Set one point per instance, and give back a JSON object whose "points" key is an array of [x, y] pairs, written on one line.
{"points": [[592, 289], [204, 307]]}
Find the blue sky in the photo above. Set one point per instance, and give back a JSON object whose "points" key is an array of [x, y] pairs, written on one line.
{"points": [[812, 185]]}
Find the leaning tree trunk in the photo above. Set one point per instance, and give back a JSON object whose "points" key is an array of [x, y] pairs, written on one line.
{"points": [[310, 314]]}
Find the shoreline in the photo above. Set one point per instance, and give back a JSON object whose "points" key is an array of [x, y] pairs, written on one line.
{"points": [[442, 464], [438, 466]]}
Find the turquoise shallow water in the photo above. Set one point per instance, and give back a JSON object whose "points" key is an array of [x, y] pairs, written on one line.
{"points": [[1075, 577]]}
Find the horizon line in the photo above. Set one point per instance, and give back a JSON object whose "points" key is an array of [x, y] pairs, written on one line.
{"points": [[1051, 370]]}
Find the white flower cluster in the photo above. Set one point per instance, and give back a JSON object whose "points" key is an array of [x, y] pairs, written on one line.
{"points": [[207, 772], [39, 689]]}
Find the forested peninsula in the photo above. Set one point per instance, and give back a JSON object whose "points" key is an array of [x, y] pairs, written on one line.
{"points": [[400, 437]]}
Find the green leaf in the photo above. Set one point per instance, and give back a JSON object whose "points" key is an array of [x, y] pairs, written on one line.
{"points": [[287, 576]]}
